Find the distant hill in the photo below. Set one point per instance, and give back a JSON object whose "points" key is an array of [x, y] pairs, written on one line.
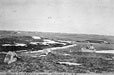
{"points": [[60, 36]]}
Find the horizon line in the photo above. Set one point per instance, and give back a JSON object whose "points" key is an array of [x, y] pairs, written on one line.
{"points": [[55, 32]]}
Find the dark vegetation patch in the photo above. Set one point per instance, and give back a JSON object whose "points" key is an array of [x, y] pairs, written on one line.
{"points": [[12, 40]]}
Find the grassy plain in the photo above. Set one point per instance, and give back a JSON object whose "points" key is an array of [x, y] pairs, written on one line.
{"points": [[90, 62]]}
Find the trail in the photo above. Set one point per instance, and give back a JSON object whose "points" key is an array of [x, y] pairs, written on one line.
{"points": [[106, 51], [100, 51], [39, 52], [51, 49]]}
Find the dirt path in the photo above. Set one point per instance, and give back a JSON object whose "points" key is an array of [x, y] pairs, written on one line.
{"points": [[106, 51], [51, 49]]}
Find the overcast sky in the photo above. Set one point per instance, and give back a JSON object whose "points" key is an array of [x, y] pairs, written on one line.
{"points": [[71, 16]]}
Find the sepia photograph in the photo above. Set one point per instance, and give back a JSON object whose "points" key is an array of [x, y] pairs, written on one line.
{"points": [[56, 37]]}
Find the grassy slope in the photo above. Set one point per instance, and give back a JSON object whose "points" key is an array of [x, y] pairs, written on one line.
{"points": [[63, 36], [90, 62]]}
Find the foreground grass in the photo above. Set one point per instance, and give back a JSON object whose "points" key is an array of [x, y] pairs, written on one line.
{"points": [[90, 62]]}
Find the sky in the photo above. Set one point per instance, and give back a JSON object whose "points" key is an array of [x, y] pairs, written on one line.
{"points": [[65, 16]]}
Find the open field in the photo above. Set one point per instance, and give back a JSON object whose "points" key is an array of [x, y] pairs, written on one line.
{"points": [[69, 59]]}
